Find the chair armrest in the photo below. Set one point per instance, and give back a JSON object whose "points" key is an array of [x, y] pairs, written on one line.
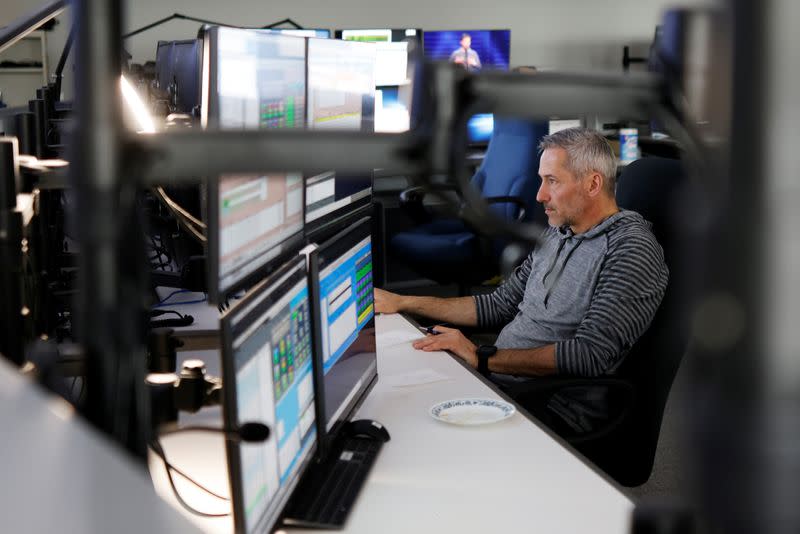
{"points": [[416, 194], [521, 204], [411, 201]]}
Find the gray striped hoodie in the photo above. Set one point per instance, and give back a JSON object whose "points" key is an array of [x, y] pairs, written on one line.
{"points": [[591, 294]]}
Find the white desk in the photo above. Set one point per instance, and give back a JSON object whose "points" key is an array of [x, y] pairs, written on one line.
{"points": [[61, 475], [433, 477]]}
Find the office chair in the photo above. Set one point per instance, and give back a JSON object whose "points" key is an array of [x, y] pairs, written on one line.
{"points": [[624, 444], [448, 250]]}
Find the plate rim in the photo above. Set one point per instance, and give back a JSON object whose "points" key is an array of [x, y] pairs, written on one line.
{"points": [[500, 402]]}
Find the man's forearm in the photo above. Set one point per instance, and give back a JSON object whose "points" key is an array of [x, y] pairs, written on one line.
{"points": [[525, 362], [458, 311]]}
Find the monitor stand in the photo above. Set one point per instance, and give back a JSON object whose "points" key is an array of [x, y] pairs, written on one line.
{"points": [[329, 489]]}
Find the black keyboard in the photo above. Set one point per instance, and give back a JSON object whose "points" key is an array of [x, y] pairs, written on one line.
{"points": [[325, 496]]}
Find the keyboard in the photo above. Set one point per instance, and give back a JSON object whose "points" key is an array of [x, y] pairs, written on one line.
{"points": [[325, 496]]}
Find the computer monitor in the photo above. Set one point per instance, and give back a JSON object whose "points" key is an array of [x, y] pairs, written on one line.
{"points": [[330, 196], [341, 89], [341, 84], [394, 35], [253, 223], [480, 128], [492, 47], [305, 32], [178, 65], [255, 80], [344, 300], [268, 377], [391, 61]]}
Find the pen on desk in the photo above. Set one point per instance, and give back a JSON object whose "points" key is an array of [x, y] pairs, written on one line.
{"points": [[430, 330]]}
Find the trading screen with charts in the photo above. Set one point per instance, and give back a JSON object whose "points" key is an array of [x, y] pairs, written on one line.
{"points": [[260, 80], [341, 81], [256, 214], [271, 345], [347, 313]]}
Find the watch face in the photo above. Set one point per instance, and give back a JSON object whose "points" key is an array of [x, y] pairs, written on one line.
{"points": [[486, 350]]}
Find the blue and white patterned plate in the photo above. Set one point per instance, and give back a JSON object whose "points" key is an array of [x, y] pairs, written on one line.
{"points": [[472, 411]]}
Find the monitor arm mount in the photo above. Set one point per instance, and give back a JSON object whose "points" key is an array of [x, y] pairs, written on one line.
{"points": [[170, 391]]}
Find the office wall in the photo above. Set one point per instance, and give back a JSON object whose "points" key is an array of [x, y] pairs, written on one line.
{"points": [[563, 34]]}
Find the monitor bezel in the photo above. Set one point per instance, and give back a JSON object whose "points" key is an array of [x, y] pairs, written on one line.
{"points": [[272, 287], [326, 438]]}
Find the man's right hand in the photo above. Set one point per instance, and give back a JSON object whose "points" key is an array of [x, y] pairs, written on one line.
{"points": [[386, 301]]}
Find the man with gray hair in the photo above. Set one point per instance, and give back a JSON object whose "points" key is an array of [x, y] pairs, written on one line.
{"points": [[581, 299]]}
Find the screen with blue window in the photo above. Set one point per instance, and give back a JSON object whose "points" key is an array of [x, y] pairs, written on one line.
{"points": [[268, 342], [347, 320]]}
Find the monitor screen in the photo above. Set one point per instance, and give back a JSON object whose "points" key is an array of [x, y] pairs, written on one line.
{"points": [[394, 35], [297, 32], [346, 321], [556, 125], [391, 61], [480, 128], [178, 71], [475, 50], [328, 193], [341, 92], [268, 377], [392, 113], [257, 80], [341, 84], [256, 217]]}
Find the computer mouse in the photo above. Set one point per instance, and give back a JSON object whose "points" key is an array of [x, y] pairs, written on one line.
{"points": [[367, 428]]}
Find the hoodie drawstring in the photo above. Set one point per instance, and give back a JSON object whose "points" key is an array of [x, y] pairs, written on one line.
{"points": [[549, 287]]}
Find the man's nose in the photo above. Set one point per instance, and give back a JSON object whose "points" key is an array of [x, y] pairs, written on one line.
{"points": [[541, 194]]}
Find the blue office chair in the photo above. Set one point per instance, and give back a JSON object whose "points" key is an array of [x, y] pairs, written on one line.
{"points": [[448, 250], [624, 444]]}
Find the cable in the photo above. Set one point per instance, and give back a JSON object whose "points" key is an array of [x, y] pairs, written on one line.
{"points": [[175, 206], [165, 299], [185, 219], [198, 301], [155, 445], [158, 313]]}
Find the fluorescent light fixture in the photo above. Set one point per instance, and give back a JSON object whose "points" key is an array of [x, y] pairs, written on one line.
{"points": [[137, 107]]}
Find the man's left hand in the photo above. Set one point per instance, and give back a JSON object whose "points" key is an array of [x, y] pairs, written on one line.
{"points": [[449, 339]]}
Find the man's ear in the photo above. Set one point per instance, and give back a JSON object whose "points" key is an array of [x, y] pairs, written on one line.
{"points": [[594, 184]]}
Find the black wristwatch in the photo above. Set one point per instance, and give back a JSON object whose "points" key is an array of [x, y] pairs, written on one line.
{"points": [[484, 352]]}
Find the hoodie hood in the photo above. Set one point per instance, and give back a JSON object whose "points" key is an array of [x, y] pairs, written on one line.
{"points": [[621, 217]]}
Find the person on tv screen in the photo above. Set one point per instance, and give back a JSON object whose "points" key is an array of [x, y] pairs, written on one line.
{"points": [[466, 56]]}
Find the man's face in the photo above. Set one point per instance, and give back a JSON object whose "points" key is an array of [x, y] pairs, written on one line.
{"points": [[466, 42], [562, 194]]}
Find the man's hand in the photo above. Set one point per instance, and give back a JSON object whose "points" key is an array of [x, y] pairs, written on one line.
{"points": [[387, 302], [452, 340], [458, 60]]}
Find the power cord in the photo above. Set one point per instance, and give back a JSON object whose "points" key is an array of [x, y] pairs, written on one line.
{"points": [[247, 432], [155, 445]]}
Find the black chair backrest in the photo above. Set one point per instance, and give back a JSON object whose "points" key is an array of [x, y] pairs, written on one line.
{"points": [[653, 187]]}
